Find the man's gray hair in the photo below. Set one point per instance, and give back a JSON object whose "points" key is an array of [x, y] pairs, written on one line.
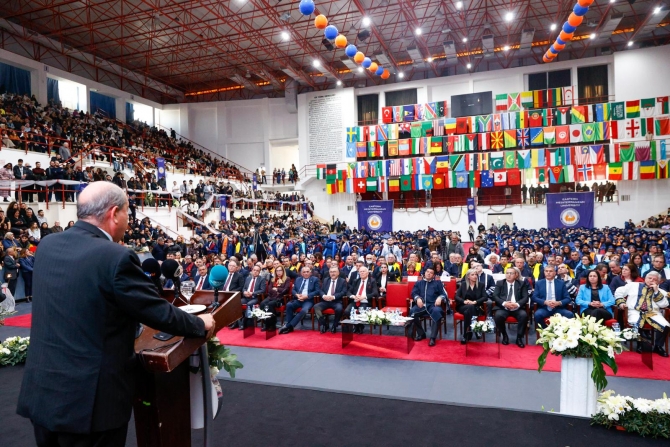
{"points": [[654, 273], [96, 207]]}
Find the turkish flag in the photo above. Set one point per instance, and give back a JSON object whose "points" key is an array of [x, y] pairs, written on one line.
{"points": [[387, 114], [360, 185]]}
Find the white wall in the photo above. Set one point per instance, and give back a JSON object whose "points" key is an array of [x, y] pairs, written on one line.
{"points": [[642, 73]]}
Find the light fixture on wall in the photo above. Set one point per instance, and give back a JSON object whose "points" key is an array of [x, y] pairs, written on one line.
{"points": [[339, 83], [630, 43], [506, 48], [401, 75]]}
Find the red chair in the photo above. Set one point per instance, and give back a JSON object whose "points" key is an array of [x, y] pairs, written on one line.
{"points": [[511, 320], [459, 319], [645, 327], [396, 298]]}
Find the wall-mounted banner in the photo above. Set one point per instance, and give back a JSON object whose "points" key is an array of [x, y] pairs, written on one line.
{"points": [[160, 167], [375, 215], [570, 210], [255, 182], [223, 203], [472, 215], [304, 211]]}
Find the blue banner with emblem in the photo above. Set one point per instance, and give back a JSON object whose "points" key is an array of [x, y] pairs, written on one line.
{"points": [[304, 211], [160, 167], [255, 182], [472, 215], [570, 210], [375, 215], [223, 203]]}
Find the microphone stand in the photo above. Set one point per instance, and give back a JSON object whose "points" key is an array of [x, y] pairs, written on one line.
{"points": [[215, 300]]}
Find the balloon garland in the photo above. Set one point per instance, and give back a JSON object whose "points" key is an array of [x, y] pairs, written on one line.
{"points": [[331, 33], [575, 19]]}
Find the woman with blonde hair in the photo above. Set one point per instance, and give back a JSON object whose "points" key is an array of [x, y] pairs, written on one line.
{"points": [[278, 289]]}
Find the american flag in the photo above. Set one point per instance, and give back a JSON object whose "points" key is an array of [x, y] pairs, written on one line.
{"points": [[394, 168], [438, 128]]}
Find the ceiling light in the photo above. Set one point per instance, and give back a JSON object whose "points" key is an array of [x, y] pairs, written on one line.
{"points": [[552, 27], [592, 36], [459, 5], [316, 63], [465, 39], [366, 21], [360, 69], [657, 10], [612, 1], [506, 48], [417, 31], [469, 66], [509, 16], [430, 59], [285, 35], [339, 82], [630, 43], [401, 75]]}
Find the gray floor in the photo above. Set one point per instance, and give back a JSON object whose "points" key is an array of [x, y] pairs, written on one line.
{"points": [[422, 381]]}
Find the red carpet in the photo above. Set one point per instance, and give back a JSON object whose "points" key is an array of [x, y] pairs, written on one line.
{"points": [[446, 351], [20, 321]]}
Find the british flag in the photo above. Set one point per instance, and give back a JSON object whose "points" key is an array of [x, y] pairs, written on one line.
{"points": [[522, 137]]}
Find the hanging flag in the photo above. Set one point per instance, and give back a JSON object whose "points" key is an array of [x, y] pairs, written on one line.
{"points": [[360, 185], [471, 142], [542, 175], [450, 126], [415, 130], [555, 156], [352, 134], [501, 102], [630, 170], [457, 162], [429, 111], [462, 179], [603, 131], [550, 135], [646, 126], [438, 181], [420, 145], [417, 166], [539, 98], [320, 172], [223, 205], [568, 174], [331, 188], [642, 151], [482, 162], [556, 174], [408, 113], [510, 139], [486, 179], [497, 140], [361, 149], [647, 107], [404, 147], [372, 149], [534, 118], [554, 97], [563, 116], [351, 150], [506, 125], [632, 128], [497, 122], [627, 152], [662, 126], [394, 185], [371, 184], [514, 177], [589, 132], [387, 114], [568, 95], [582, 155], [394, 169], [418, 112], [362, 169], [427, 129], [500, 178], [496, 160], [351, 170], [373, 169], [647, 170], [536, 136], [548, 118], [436, 146], [406, 166], [614, 171], [510, 160], [527, 100], [406, 183], [381, 148], [372, 133], [633, 109], [382, 132], [462, 125], [442, 164], [398, 115], [662, 169], [483, 141], [585, 173], [438, 127], [523, 137], [600, 112], [523, 158], [429, 165], [575, 133], [578, 114], [537, 158], [600, 171], [392, 148], [427, 182], [663, 105], [404, 130], [381, 184], [562, 134]]}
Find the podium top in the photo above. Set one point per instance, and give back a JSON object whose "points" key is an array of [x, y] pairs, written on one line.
{"points": [[164, 356]]}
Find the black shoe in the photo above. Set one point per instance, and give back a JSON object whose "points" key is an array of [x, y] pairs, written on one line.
{"points": [[359, 329], [333, 330], [323, 329], [660, 351], [505, 340], [468, 335], [234, 325], [464, 340], [286, 329], [419, 337], [639, 349], [263, 328], [519, 343], [431, 343], [241, 326]]}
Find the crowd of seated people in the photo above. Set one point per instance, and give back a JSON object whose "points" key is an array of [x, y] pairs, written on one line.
{"points": [[661, 221]]}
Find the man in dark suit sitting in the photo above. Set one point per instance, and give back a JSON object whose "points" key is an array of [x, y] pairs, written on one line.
{"points": [[202, 279], [510, 297], [361, 293], [551, 297], [254, 288], [234, 283], [428, 295], [304, 290], [333, 290], [80, 375]]}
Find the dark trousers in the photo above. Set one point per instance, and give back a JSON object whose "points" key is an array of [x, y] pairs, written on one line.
{"points": [[293, 305], [28, 282], [500, 315], [469, 312], [435, 313], [109, 438], [11, 284], [250, 302], [323, 305]]}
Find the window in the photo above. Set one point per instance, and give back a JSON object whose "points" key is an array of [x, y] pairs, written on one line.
{"points": [[549, 79], [592, 82], [400, 97], [368, 106]]}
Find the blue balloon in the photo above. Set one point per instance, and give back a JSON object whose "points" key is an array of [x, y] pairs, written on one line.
{"points": [[580, 10], [379, 71], [331, 32], [569, 28], [351, 50], [306, 7], [559, 41], [366, 62], [553, 50]]}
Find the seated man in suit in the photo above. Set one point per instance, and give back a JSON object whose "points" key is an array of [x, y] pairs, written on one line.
{"points": [[253, 290], [332, 291], [428, 295], [510, 297], [202, 279], [304, 290], [234, 283], [551, 296], [361, 293]]}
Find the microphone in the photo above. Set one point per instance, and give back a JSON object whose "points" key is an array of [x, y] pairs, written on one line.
{"points": [[172, 270], [217, 278], [152, 269]]}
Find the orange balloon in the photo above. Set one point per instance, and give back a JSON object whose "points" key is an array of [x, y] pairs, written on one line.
{"points": [[373, 67], [358, 58], [545, 59], [558, 46], [340, 41], [551, 55], [566, 37], [320, 22], [575, 20], [386, 74], [585, 3]]}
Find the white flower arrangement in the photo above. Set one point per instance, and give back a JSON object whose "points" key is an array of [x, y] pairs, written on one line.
{"points": [[14, 350], [379, 317], [479, 327], [629, 334], [643, 416], [581, 337], [260, 314]]}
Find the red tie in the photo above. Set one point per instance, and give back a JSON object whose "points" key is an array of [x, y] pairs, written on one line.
{"points": [[253, 283], [200, 281], [225, 287], [360, 289]]}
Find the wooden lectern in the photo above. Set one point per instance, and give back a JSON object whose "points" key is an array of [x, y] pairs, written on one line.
{"points": [[162, 403]]}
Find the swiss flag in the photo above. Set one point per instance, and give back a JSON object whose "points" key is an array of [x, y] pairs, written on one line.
{"points": [[360, 185], [387, 114], [500, 178]]}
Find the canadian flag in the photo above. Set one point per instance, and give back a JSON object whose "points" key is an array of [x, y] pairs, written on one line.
{"points": [[500, 178]]}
